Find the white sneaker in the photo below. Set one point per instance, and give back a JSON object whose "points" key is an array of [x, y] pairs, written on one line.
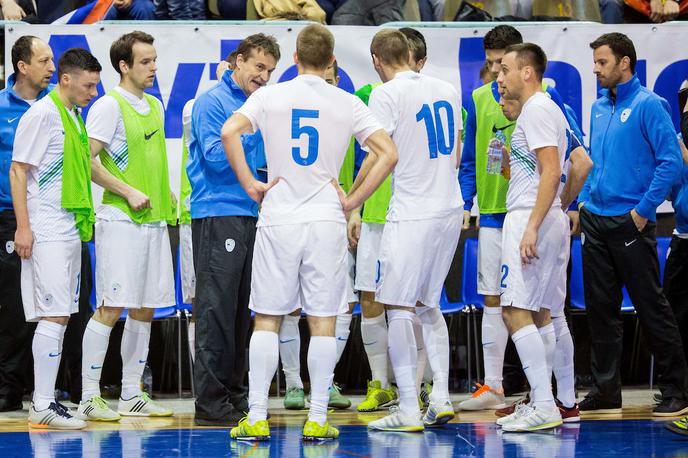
{"points": [[96, 409], [398, 421], [520, 409], [438, 413], [141, 406], [56, 416], [534, 419], [484, 398]]}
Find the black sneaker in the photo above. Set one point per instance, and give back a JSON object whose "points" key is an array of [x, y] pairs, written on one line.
{"points": [[230, 417], [671, 407], [657, 398], [10, 405], [591, 405], [678, 426]]}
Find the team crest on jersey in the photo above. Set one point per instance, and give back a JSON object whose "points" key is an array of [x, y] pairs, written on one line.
{"points": [[48, 299], [625, 114], [116, 288]]}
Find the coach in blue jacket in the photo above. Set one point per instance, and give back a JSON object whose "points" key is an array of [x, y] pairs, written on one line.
{"points": [[32, 61], [636, 161], [223, 228]]}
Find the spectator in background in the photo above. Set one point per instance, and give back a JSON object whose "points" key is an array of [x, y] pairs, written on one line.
{"points": [[431, 10], [369, 12], [181, 10], [618, 210], [633, 11], [131, 10], [329, 7], [612, 11]]}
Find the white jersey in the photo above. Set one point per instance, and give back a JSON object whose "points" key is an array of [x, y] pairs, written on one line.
{"points": [[423, 116], [186, 123], [306, 125], [39, 142], [540, 124], [105, 124]]}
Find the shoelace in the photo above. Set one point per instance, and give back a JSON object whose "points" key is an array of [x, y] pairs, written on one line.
{"points": [[99, 402], [62, 410], [480, 391]]}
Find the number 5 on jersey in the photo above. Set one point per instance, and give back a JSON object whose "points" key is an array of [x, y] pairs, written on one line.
{"points": [[434, 128], [297, 130]]}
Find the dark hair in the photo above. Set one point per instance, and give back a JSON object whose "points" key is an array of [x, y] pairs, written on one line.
{"points": [[122, 49], [620, 45], [530, 54], [391, 47], [77, 59], [314, 46], [501, 37], [416, 43], [259, 41], [21, 51], [231, 58]]}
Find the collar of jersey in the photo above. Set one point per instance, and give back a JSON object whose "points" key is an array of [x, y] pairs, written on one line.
{"points": [[407, 74]]}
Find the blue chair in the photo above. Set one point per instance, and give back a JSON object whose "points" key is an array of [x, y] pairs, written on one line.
{"points": [[577, 293], [469, 277]]}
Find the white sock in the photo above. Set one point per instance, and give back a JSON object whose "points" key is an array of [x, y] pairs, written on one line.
{"points": [[47, 353], [263, 356], [495, 336], [135, 340], [531, 351], [421, 354], [563, 363], [374, 336], [191, 331], [403, 353], [290, 350], [436, 338], [549, 340], [93, 349], [341, 332], [321, 361]]}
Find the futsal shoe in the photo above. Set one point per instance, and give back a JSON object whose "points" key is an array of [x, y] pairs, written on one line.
{"points": [[594, 406], [259, 431], [337, 399], [671, 407], [295, 398], [424, 395], [508, 410], [56, 416], [533, 419], [398, 421], [438, 414], [678, 426], [519, 409], [141, 406], [96, 409], [377, 397], [484, 398], [568, 414], [312, 431]]}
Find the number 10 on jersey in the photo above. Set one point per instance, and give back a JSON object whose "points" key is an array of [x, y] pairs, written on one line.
{"points": [[297, 130], [435, 130]]}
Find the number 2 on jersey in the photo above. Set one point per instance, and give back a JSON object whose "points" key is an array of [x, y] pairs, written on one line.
{"points": [[433, 126], [297, 130]]}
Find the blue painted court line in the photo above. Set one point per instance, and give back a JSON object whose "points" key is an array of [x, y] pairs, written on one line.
{"points": [[599, 439]]}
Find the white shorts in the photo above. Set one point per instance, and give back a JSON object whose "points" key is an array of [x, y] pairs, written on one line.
{"points": [[186, 265], [541, 284], [300, 265], [133, 265], [352, 294], [50, 279], [415, 257], [489, 261], [367, 254]]}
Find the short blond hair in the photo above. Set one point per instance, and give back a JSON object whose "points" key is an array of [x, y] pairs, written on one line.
{"points": [[391, 47], [315, 47]]}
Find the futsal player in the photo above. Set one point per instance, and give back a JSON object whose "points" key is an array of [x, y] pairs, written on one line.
{"points": [[134, 259], [422, 114], [51, 194], [535, 239], [301, 246]]}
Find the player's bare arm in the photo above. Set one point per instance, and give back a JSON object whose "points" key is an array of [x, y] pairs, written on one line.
{"points": [[100, 176], [231, 133], [380, 144], [23, 237], [550, 176]]}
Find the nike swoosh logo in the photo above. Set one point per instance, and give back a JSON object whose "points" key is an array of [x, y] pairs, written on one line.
{"points": [[371, 343], [287, 341], [54, 355], [96, 367], [598, 115], [495, 129], [148, 136], [142, 361], [10, 121], [630, 243], [343, 339]]}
